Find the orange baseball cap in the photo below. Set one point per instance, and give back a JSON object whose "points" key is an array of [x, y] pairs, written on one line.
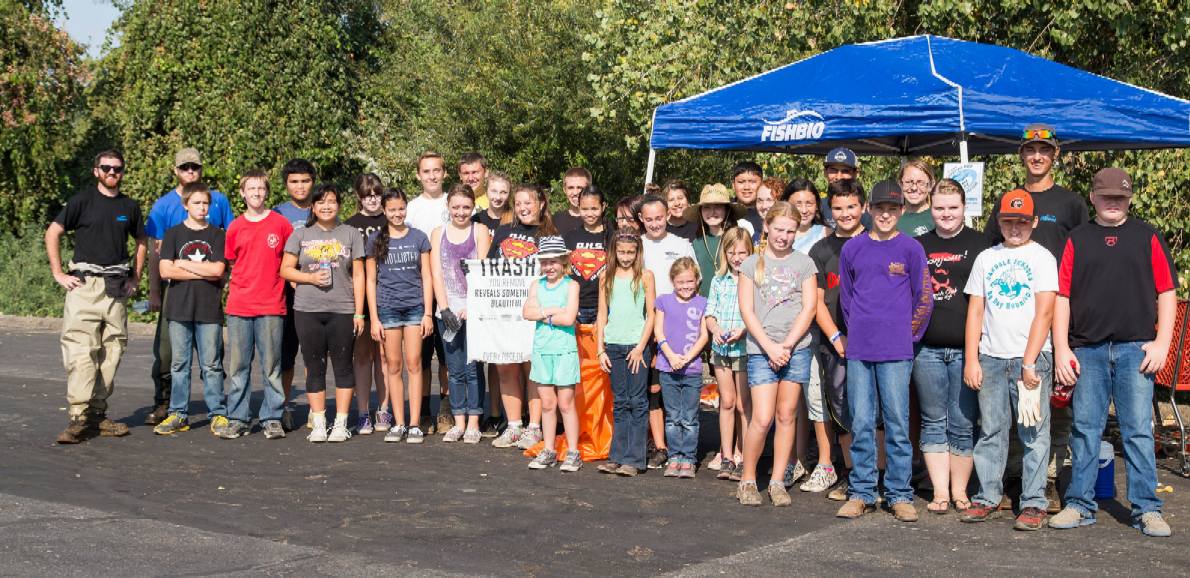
{"points": [[1017, 203]]}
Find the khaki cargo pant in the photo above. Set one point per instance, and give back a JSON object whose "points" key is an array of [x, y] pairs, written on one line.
{"points": [[94, 334]]}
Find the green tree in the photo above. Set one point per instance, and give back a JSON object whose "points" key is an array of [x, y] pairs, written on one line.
{"points": [[41, 100], [503, 77], [247, 83]]}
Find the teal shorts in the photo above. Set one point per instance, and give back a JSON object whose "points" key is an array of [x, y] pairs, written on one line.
{"points": [[556, 369]]}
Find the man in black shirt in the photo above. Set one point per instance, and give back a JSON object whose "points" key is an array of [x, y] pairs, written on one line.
{"points": [[1058, 211], [98, 282]]}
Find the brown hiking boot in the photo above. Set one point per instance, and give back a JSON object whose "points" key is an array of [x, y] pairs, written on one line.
{"points": [[157, 415], [80, 429], [904, 512], [107, 427], [854, 508]]}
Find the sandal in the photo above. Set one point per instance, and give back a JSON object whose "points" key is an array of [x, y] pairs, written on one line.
{"points": [[933, 506], [962, 504]]}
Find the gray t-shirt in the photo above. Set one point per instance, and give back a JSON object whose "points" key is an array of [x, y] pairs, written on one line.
{"points": [[777, 301], [340, 247]]}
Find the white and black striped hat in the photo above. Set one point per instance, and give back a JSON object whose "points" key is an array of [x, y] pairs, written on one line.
{"points": [[551, 246]]}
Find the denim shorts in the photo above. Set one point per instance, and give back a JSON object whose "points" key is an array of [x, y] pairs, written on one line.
{"points": [[732, 363], [395, 317], [796, 371]]}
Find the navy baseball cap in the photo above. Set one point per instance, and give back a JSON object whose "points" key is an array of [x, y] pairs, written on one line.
{"points": [[841, 156]]}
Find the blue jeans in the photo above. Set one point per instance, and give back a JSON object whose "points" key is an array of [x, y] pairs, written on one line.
{"points": [[463, 377], [880, 387], [248, 337], [948, 408], [184, 337], [997, 412], [680, 394], [1111, 372], [630, 407]]}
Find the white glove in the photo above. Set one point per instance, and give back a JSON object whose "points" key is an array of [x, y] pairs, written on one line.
{"points": [[1028, 405]]}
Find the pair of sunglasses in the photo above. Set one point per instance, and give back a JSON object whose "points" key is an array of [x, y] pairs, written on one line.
{"points": [[1039, 134], [117, 169], [190, 167]]}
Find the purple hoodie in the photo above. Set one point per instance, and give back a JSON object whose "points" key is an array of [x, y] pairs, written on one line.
{"points": [[886, 296]]}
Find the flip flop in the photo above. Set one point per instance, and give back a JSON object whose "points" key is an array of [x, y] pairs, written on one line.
{"points": [[962, 504], [936, 502]]}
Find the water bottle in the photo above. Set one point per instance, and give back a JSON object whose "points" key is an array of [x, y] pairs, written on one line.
{"points": [[325, 265], [1105, 484]]}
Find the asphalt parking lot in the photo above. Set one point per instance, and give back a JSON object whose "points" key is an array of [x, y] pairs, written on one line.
{"points": [[196, 505]]}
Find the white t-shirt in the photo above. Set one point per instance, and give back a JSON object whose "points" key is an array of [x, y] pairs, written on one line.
{"points": [[660, 256], [1008, 280], [426, 214]]}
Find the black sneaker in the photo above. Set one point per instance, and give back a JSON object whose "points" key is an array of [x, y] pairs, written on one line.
{"points": [[158, 415], [657, 459]]}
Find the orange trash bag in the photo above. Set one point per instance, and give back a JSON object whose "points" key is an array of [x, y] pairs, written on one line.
{"points": [[592, 400]]}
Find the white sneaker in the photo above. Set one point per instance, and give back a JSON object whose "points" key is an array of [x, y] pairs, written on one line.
{"points": [[339, 432], [529, 438], [396, 433], [820, 479], [317, 427], [454, 434]]}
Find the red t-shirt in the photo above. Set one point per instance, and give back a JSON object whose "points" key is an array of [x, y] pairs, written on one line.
{"points": [[254, 251]]}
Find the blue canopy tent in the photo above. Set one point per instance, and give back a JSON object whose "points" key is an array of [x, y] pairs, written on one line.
{"points": [[920, 95]]}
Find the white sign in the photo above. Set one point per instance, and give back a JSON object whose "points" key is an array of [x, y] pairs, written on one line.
{"points": [[970, 176], [496, 290]]}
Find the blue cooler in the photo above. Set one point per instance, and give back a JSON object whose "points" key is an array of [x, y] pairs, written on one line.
{"points": [[1105, 484]]}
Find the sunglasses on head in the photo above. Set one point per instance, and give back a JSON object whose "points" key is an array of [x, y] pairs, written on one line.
{"points": [[117, 169], [190, 167], [1039, 134]]}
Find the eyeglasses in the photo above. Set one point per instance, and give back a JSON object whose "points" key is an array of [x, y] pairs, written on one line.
{"points": [[1039, 134], [370, 196], [190, 167], [117, 169], [918, 184], [622, 219]]}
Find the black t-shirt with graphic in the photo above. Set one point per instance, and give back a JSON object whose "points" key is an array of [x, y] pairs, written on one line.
{"points": [[367, 225], [514, 241], [825, 254], [588, 258], [102, 226], [950, 263], [753, 216], [196, 300], [1058, 212]]}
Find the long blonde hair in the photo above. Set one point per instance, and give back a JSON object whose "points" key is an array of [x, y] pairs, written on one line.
{"points": [[629, 236], [727, 241], [779, 209]]}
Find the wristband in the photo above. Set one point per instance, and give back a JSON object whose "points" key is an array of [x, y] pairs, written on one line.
{"points": [[836, 336], [358, 316], [662, 342], [1029, 366]]}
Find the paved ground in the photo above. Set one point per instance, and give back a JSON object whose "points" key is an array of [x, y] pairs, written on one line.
{"points": [[194, 504]]}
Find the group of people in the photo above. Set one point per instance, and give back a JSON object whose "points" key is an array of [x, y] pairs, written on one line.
{"points": [[852, 325]]}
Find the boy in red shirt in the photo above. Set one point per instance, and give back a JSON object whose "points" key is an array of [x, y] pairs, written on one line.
{"points": [[255, 308]]}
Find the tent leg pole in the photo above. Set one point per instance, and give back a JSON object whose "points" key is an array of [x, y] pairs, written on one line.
{"points": [[963, 151], [649, 168]]}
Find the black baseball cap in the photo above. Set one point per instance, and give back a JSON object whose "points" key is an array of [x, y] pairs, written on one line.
{"points": [[887, 192]]}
